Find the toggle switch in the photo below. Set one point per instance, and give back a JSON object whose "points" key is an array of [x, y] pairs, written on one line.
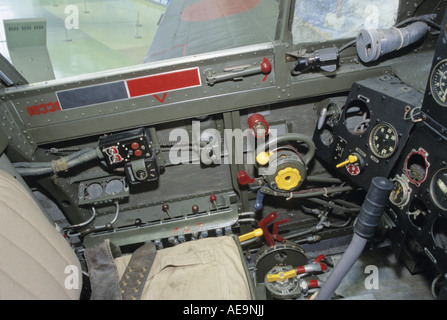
{"points": [[213, 199], [351, 159], [165, 208]]}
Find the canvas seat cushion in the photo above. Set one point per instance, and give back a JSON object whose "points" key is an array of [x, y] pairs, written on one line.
{"points": [[36, 262], [205, 269]]}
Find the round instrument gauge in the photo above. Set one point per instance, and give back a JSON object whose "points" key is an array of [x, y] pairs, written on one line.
{"points": [[438, 189], [416, 166], [401, 192], [438, 83], [94, 190], [383, 140]]}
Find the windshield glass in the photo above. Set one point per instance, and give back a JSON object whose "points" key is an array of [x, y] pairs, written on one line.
{"points": [[322, 20], [63, 38]]}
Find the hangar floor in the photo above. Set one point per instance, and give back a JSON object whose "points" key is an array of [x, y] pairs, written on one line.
{"points": [[111, 34]]}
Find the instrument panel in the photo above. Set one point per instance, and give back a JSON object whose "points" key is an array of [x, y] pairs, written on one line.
{"points": [[374, 124], [435, 100], [386, 128], [438, 83], [419, 202]]}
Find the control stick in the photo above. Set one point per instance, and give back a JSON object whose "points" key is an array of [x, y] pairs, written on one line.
{"points": [[364, 228]]}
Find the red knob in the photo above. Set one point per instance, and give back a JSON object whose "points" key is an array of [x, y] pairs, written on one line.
{"points": [[213, 198], [243, 178], [259, 127], [266, 66], [138, 153], [135, 145]]}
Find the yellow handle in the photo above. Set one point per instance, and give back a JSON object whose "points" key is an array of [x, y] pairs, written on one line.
{"points": [[281, 276], [247, 236], [351, 159]]}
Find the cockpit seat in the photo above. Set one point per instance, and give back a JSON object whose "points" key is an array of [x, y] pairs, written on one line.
{"points": [[36, 262]]}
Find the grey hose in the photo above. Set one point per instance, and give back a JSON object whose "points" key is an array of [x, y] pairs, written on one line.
{"points": [[373, 43], [47, 164], [40, 168], [345, 264], [364, 228]]}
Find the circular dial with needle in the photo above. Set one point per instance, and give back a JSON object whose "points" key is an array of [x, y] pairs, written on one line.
{"points": [[438, 189], [438, 83], [383, 140], [400, 194]]}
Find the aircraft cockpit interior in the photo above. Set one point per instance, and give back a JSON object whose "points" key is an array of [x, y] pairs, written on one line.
{"points": [[259, 150]]}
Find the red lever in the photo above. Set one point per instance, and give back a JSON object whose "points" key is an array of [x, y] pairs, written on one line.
{"points": [[243, 178], [271, 238], [275, 230]]}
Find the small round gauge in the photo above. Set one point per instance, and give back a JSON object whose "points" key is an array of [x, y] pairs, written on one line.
{"points": [[401, 191], [327, 137], [94, 190], [438, 189], [438, 83], [383, 140], [416, 166]]}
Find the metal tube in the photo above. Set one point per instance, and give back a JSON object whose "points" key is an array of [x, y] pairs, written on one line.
{"points": [[340, 270]]}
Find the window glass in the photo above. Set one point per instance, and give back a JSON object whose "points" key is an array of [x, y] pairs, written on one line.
{"points": [[322, 20], [65, 38]]}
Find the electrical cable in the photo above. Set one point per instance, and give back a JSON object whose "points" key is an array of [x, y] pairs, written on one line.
{"points": [[83, 224]]}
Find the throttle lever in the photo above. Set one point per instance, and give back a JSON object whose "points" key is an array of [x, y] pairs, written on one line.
{"points": [[270, 238]]}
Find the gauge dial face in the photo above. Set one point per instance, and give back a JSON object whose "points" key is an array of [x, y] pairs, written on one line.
{"points": [[400, 194], [327, 137], [383, 140], [438, 189], [438, 83]]}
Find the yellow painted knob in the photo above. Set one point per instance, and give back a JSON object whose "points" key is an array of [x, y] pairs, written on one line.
{"points": [[280, 276], [288, 178], [263, 158], [351, 159]]}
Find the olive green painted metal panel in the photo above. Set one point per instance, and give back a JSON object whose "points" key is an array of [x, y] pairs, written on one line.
{"points": [[37, 104]]}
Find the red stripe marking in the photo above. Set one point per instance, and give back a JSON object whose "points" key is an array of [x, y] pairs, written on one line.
{"points": [[207, 10], [323, 266], [300, 269], [163, 82], [314, 283]]}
